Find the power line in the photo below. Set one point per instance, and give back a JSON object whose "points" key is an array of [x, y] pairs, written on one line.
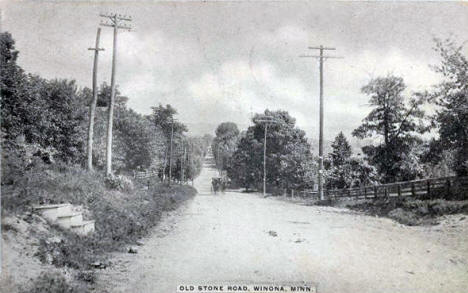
{"points": [[321, 58]]}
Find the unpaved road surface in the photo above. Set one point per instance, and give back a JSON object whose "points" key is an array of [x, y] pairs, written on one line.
{"points": [[244, 238]]}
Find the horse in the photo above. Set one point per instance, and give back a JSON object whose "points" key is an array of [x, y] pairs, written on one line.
{"points": [[215, 184]]}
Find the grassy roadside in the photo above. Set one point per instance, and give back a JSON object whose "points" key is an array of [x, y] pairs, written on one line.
{"points": [[409, 211], [124, 212], [405, 210]]}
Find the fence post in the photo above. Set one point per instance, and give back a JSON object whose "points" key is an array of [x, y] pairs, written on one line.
{"points": [[292, 193], [386, 191], [413, 192], [399, 190], [375, 191], [428, 188], [365, 192], [448, 188]]}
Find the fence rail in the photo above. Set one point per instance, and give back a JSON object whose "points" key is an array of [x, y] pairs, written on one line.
{"points": [[144, 174], [444, 187]]}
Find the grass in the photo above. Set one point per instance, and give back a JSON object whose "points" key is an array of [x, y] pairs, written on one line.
{"points": [[52, 282], [121, 216], [407, 210]]}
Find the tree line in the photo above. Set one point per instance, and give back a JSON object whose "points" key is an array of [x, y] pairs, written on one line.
{"points": [[47, 119], [407, 142]]}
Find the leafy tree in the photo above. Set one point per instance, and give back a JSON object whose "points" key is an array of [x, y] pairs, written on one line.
{"points": [[163, 117], [243, 168], [339, 161], [451, 98], [396, 124], [11, 79], [50, 113], [137, 142], [362, 173], [224, 144], [288, 154]]}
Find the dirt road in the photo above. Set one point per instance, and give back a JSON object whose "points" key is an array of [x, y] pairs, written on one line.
{"points": [[247, 238]]}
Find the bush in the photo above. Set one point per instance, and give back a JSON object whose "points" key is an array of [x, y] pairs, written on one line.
{"points": [[404, 217], [119, 182], [52, 282]]}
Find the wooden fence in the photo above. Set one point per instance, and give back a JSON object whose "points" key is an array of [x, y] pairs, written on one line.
{"points": [[444, 187], [144, 174]]}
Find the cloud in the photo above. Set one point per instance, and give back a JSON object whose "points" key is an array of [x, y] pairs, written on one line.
{"points": [[238, 88]]}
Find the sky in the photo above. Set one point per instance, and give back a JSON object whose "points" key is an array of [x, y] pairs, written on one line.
{"points": [[224, 61]]}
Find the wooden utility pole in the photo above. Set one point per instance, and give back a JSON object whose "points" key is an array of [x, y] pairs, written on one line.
{"points": [[182, 164], [264, 159], [92, 106], [321, 58], [266, 120], [218, 164], [170, 152], [117, 22]]}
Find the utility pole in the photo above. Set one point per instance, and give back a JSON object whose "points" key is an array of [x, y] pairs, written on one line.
{"points": [[218, 164], [321, 58], [92, 106], [182, 164], [117, 21], [170, 151], [266, 120]]}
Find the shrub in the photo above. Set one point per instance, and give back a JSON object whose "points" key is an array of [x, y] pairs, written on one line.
{"points": [[52, 282], [404, 217], [119, 182]]}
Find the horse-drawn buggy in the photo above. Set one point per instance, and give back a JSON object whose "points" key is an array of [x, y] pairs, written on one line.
{"points": [[218, 184]]}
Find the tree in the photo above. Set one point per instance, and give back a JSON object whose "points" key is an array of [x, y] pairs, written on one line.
{"points": [[224, 144], [288, 154], [339, 163], [137, 142], [451, 98], [11, 79], [163, 117], [243, 169], [397, 124]]}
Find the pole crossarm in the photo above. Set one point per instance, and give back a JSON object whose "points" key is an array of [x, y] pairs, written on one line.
{"points": [[116, 16], [119, 26], [322, 57], [96, 49], [267, 119], [322, 48]]}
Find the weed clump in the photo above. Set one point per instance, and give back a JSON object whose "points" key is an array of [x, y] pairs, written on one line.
{"points": [[52, 282]]}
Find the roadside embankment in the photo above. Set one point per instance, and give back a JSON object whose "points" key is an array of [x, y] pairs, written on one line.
{"points": [[123, 211], [410, 211], [405, 210]]}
